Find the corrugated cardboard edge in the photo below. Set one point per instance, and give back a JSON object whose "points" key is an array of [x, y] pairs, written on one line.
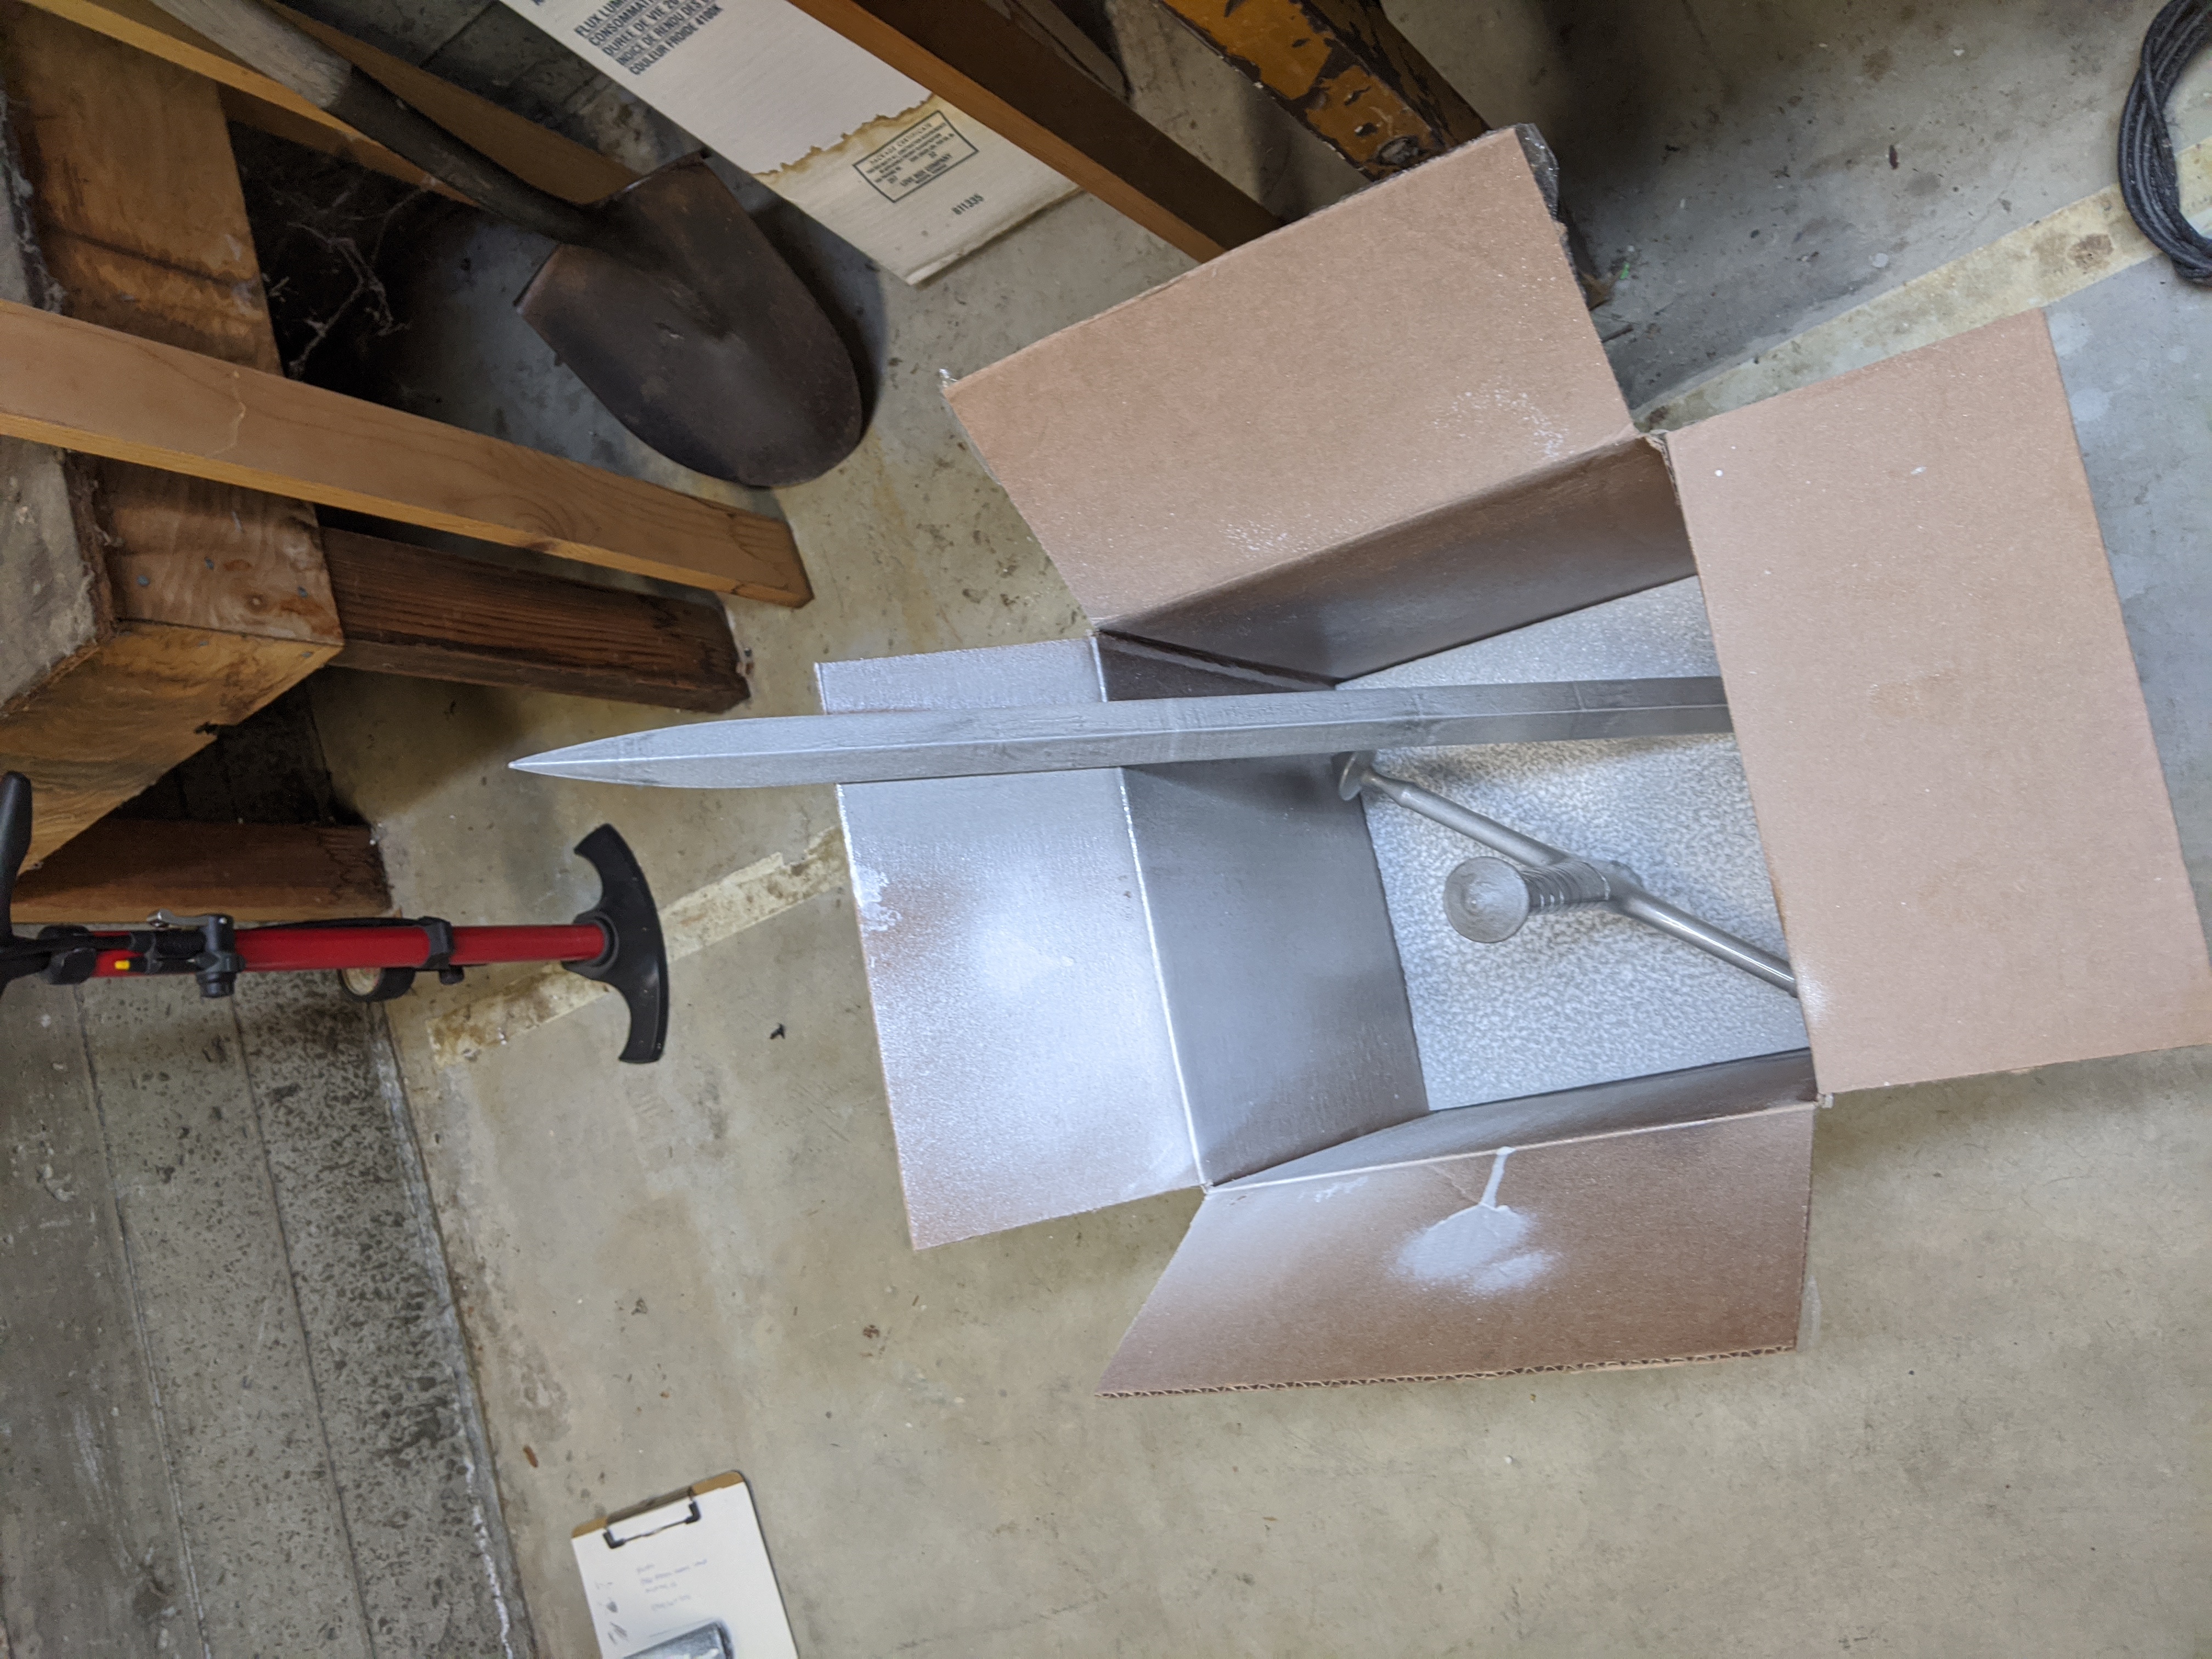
{"points": [[1454, 1376]]}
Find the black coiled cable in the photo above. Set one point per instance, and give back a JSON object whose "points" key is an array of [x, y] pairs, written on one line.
{"points": [[2150, 183]]}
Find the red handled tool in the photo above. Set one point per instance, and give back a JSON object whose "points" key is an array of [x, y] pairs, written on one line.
{"points": [[617, 941]]}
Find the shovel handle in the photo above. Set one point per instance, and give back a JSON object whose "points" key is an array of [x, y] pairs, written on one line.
{"points": [[293, 56], [372, 110], [268, 43]]}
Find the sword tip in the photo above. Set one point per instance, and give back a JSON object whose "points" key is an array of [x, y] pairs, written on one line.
{"points": [[582, 759]]}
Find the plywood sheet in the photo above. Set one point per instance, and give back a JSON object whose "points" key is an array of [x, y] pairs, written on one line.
{"points": [[1939, 715], [107, 393]]}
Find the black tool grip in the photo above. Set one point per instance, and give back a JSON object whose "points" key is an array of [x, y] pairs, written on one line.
{"points": [[635, 961], [14, 842]]}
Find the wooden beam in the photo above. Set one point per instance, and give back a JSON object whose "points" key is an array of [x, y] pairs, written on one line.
{"points": [[136, 206], [545, 158], [213, 599], [145, 699], [79, 386], [140, 24], [434, 616], [1343, 69], [124, 869], [994, 71]]}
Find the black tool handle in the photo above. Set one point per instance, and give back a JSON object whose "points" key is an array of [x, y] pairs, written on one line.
{"points": [[14, 843], [635, 961]]}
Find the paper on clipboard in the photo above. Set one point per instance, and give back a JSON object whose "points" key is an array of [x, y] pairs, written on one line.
{"points": [[683, 1564]]}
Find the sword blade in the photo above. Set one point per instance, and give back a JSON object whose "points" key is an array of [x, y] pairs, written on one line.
{"points": [[911, 743]]}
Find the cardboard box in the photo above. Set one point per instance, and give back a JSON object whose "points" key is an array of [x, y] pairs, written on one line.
{"points": [[1271, 471], [912, 182]]}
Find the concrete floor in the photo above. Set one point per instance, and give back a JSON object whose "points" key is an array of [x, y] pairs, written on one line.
{"points": [[1992, 1442], [235, 1415]]}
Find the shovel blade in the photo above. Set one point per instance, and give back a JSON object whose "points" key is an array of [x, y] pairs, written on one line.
{"points": [[742, 378]]}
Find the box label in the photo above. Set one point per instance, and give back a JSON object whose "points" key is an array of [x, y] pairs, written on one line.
{"points": [[638, 34], [928, 149], [831, 128]]}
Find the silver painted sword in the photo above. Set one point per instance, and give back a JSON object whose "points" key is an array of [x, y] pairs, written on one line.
{"points": [[904, 745]]}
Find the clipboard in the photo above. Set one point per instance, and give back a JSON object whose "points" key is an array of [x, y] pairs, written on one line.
{"points": [[684, 1577]]}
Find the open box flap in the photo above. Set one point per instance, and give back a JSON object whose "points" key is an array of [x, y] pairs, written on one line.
{"points": [[1077, 978], [1027, 1055], [1962, 808], [1663, 1220], [1381, 431]]}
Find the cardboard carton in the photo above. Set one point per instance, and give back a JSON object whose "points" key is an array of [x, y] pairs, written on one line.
{"points": [[904, 177], [1304, 463]]}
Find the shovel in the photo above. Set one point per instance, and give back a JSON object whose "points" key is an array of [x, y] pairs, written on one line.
{"points": [[665, 298]]}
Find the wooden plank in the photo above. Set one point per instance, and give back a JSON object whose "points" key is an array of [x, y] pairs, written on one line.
{"points": [[1343, 69], [435, 616], [138, 215], [79, 386], [136, 201], [141, 24], [215, 596], [545, 158], [124, 869], [990, 67]]}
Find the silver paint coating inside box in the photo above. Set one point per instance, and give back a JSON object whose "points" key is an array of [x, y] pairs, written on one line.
{"points": [[1091, 986], [1585, 996]]}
